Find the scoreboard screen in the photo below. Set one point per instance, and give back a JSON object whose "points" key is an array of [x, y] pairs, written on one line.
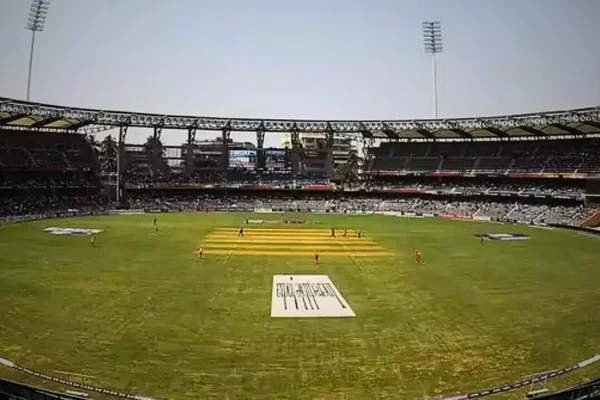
{"points": [[275, 159], [242, 159]]}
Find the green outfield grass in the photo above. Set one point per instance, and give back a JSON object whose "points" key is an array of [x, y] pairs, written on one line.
{"points": [[142, 313]]}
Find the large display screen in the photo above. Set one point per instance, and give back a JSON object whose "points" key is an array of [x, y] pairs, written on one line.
{"points": [[245, 159], [274, 159]]}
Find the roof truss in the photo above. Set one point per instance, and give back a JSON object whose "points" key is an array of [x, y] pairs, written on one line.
{"points": [[93, 120]]}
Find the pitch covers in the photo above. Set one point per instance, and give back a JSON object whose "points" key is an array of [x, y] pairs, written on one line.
{"points": [[307, 296]]}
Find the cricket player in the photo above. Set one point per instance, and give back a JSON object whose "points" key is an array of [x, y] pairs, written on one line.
{"points": [[316, 257], [200, 253], [418, 257]]}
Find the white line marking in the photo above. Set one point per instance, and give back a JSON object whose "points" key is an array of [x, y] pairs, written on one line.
{"points": [[232, 250]]}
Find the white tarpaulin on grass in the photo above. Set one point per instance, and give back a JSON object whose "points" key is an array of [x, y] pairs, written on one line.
{"points": [[307, 296]]}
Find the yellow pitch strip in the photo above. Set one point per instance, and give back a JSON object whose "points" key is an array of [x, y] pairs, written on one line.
{"points": [[299, 253], [290, 237], [278, 247], [286, 234], [284, 230], [280, 239]]}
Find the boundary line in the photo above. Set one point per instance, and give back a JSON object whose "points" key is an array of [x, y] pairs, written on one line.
{"points": [[499, 389], [539, 377], [68, 382]]}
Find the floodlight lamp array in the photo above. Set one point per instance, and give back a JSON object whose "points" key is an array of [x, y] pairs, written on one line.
{"points": [[432, 37], [37, 15]]}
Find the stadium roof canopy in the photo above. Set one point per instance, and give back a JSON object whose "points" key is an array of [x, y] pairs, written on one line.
{"points": [[17, 114]]}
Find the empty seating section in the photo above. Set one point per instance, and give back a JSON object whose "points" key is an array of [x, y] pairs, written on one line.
{"points": [[448, 149], [409, 149], [493, 163], [38, 160], [589, 151], [382, 151], [459, 164], [559, 163], [553, 156], [389, 163], [526, 164], [14, 158], [423, 164], [482, 149], [40, 150], [48, 158]]}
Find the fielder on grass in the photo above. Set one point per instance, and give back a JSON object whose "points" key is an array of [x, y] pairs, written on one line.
{"points": [[418, 257]]}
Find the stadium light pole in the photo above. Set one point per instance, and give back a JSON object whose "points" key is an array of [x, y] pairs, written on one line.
{"points": [[35, 23], [432, 40]]}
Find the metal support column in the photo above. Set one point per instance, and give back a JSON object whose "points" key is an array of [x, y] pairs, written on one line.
{"points": [[367, 156], [157, 134], [226, 135], [120, 162], [155, 162], [296, 150], [329, 142], [260, 138], [191, 140], [260, 153]]}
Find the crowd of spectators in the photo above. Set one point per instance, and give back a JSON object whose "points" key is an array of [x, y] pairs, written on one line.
{"points": [[500, 211], [55, 173], [49, 180], [65, 201], [463, 186], [231, 178], [50, 204]]}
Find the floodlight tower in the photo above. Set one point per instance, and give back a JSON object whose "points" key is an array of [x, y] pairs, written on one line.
{"points": [[432, 40], [35, 23]]}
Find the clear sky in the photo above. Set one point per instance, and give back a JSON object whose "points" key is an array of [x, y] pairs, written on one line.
{"points": [[305, 59]]}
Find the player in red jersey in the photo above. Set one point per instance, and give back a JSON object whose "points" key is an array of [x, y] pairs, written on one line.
{"points": [[418, 257], [316, 257]]}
